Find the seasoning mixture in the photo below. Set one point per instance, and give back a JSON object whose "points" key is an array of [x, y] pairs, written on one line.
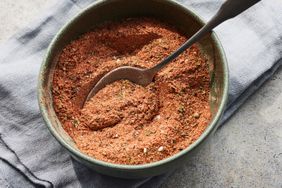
{"points": [[125, 123]]}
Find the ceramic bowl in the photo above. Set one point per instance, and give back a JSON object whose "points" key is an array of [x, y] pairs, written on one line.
{"points": [[101, 11]]}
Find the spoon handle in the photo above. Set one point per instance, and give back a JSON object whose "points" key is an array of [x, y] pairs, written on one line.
{"points": [[229, 9]]}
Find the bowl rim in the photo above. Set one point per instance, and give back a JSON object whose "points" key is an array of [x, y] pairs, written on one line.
{"points": [[212, 125]]}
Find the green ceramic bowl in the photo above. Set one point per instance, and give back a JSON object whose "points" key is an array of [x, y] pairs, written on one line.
{"points": [[166, 10]]}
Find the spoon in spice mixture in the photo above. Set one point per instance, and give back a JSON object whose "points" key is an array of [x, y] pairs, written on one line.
{"points": [[141, 76]]}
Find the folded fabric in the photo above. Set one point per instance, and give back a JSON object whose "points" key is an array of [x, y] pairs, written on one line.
{"points": [[31, 157]]}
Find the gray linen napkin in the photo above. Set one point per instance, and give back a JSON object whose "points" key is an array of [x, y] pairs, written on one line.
{"points": [[31, 157]]}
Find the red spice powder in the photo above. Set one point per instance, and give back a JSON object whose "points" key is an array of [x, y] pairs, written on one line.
{"points": [[126, 123]]}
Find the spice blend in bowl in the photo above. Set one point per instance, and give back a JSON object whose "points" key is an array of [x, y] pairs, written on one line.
{"points": [[125, 123]]}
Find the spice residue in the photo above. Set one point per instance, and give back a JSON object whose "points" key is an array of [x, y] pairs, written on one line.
{"points": [[126, 123]]}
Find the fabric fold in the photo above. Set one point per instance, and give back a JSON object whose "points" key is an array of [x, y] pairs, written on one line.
{"points": [[11, 164]]}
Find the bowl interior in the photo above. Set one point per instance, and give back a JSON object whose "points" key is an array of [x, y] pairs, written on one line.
{"points": [[102, 11]]}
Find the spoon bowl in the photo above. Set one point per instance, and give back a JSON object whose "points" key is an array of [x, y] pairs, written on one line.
{"points": [[136, 75]]}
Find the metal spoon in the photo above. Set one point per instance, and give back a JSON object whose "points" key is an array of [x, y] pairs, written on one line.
{"points": [[229, 9]]}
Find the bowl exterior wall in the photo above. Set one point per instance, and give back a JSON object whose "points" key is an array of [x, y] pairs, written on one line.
{"points": [[166, 10]]}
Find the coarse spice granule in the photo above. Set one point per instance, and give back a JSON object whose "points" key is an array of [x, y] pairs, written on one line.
{"points": [[125, 123]]}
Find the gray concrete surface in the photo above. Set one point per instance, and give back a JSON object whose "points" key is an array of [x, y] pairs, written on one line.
{"points": [[245, 152]]}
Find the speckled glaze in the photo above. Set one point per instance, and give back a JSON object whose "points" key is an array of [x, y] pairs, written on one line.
{"points": [[167, 10]]}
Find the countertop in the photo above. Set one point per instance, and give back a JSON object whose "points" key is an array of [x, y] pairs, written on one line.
{"points": [[245, 152]]}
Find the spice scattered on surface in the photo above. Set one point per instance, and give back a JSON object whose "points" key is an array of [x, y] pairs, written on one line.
{"points": [[123, 122]]}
